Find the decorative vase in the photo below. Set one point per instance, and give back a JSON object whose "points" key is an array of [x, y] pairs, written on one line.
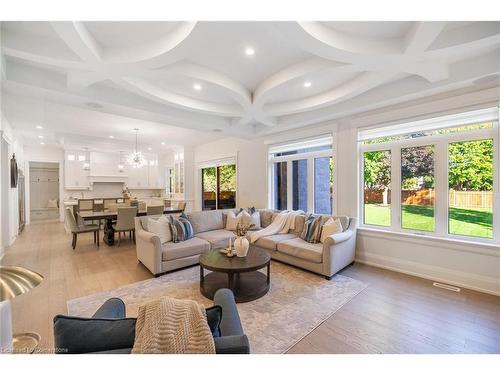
{"points": [[241, 245]]}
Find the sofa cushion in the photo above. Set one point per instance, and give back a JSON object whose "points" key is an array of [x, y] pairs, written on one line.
{"points": [[299, 248], [299, 224], [249, 219], [217, 238], [271, 242], [204, 221], [232, 220], [181, 228], [312, 229], [160, 227], [266, 217], [73, 335], [193, 246], [332, 226]]}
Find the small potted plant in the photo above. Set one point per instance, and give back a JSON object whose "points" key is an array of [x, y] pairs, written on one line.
{"points": [[241, 243]]}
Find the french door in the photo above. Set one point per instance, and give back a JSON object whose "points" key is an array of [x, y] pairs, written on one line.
{"points": [[218, 187]]}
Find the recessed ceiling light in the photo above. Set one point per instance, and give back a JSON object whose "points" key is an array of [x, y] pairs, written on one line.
{"points": [[163, 143], [197, 87], [112, 136], [42, 143], [249, 51], [307, 84], [149, 148], [39, 127], [40, 136]]}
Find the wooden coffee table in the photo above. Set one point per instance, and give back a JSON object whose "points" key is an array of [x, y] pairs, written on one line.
{"points": [[241, 275]]}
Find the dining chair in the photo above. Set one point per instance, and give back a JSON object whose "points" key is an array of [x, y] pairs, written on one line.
{"points": [[85, 205], [181, 205], [154, 210], [142, 206], [108, 202], [125, 222], [83, 228]]}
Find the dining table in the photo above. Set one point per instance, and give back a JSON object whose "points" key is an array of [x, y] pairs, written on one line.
{"points": [[109, 217]]}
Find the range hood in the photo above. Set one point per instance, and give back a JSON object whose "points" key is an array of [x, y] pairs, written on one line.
{"points": [[118, 179]]}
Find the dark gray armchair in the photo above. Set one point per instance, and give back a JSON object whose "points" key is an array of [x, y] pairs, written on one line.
{"points": [[109, 332]]}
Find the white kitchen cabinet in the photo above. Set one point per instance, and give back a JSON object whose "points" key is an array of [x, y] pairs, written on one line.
{"points": [[75, 176], [138, 178]]}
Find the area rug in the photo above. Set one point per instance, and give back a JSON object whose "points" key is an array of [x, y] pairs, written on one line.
{"points": [[297, 302]]}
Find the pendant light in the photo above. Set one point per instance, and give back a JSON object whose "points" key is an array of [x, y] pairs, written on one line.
{"points": [[136, 159]]}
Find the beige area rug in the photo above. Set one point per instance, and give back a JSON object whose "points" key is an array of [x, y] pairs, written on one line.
{"points": [[297, 302]]}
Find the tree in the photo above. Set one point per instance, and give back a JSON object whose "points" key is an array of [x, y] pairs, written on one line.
{"points": [[417, 167], [377, 170], [471, 165]]}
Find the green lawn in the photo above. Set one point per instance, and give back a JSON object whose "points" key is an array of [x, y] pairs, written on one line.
{"points": [[477, 223]]}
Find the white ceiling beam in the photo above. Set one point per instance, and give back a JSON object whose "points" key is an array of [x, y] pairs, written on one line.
{"points": [[362, 83], [151, 91], [79, 39], [421, 35]]}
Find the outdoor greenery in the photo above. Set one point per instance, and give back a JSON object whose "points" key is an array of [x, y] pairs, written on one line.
{"points": [[227, 178], [477, 222]]}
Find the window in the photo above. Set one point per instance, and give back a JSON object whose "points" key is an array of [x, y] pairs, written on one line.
{"points": [[417, 188], [299, 185], [218, 187], [302, 176], [438, 177], [377, 195], [470, 179], [169, 181], [280, 185], [323, 185]]}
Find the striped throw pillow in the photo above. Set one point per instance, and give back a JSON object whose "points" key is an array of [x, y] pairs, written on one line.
{"points": [[312, 229], [181, 228]]}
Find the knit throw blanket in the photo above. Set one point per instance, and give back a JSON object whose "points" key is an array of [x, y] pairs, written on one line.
{"points": [[172, 326]]}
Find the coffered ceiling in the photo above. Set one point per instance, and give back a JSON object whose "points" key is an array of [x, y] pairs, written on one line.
{"points": [[242, 78]]}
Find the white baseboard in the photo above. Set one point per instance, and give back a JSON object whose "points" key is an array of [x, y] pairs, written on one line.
{"points": [[461, 279]]}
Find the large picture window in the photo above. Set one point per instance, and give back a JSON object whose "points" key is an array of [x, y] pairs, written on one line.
{"points": [[302, 176], [438, 177]]}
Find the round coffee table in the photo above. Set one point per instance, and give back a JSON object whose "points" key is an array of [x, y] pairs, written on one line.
{"points": [[241, 275]]}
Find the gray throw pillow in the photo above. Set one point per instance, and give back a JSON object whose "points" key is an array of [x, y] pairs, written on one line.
{"points": [[312, 229]]}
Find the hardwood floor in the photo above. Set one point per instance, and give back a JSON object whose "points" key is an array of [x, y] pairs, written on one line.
{"points": [[396, 313]]}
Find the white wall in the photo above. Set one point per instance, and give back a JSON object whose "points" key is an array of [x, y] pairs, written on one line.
{"points": [[9, 221]]}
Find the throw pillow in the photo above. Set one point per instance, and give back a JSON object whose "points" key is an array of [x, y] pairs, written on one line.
{"points": [[332, 226], [161, 227], [251, 210], [73, 335], [249, 219], [232, 220], [312, 229], [214, 318], [181, 228]]}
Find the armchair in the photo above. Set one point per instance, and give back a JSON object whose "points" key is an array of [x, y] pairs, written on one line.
{"points": [[110, 332]]}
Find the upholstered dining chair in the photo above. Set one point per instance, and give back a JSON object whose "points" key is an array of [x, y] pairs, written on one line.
{"points": [[83, 228], [154, 210], [181, 205], [141, 206], [125, 222]]}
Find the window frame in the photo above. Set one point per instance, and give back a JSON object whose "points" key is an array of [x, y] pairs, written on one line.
{"points": [[216, 164], [441, 163], [310, 157]]}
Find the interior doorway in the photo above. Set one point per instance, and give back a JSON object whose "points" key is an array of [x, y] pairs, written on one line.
{"points": [[44, 191]]}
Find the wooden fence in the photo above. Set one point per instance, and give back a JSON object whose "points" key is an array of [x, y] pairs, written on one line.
{"points": [[458, 199], [471, 199]]}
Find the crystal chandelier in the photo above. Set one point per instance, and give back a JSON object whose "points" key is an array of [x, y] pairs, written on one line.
{"points": [[136, 159]]}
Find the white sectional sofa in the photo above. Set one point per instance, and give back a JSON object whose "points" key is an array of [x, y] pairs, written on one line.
{"points": [[325, 259]]}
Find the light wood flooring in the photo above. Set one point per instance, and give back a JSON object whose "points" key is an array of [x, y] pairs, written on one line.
{"points": [[396, 313]]}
